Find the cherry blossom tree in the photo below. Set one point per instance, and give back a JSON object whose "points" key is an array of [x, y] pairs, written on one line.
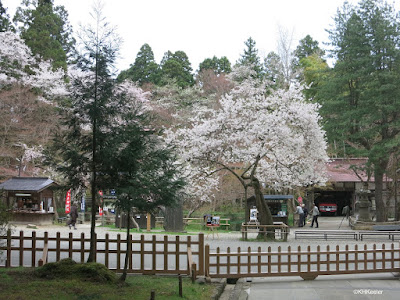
{"points": [[260, 135], [19, 66]]}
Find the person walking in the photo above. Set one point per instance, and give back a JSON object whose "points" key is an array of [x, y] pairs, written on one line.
{"points": [[73, 216], [305, 211], [300, 212], [315, 214]]}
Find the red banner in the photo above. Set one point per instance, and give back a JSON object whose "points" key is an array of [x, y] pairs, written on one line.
{"points": [[100, 211], [68, 202]]}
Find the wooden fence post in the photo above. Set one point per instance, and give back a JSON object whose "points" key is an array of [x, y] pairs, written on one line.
{"points": [[21, 248], [8, 261], [207, 261], [43, 260], [58, 246], [33, 262], [70, 242], [106, 250], [201, 254], [82, 247], [154, 256]]}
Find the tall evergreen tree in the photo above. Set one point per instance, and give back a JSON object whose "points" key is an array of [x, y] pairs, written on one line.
{"points": [[5, 23], [89, 116], [250, 57], [218, 65], [177, 66], [46, 30], [361, 98], [310, 64], [144, 69]]}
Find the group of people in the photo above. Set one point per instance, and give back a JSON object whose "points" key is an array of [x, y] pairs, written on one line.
{"points": [[302, 211]]}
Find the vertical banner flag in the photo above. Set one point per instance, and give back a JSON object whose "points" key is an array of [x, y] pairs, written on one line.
{"points": [[83, 202], [100, 211], [68, 202]]}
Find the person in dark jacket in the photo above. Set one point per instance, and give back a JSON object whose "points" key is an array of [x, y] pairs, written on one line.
{"points": [[73, 216], [315, 214], [305, 211]]}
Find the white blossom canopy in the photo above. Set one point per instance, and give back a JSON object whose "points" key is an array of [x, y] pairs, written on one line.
{"points": [[275, 134]]}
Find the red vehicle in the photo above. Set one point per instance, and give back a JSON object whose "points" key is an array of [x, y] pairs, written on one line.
{"points": [[328, 208]]}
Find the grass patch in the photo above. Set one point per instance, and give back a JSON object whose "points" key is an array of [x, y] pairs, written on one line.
{"points": [[192, 229], [71, 281]]}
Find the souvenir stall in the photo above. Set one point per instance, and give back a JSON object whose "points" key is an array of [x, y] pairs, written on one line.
{"points": [[30, 199], [278, 205]]}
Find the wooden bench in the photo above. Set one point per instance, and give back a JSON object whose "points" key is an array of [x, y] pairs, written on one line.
{"points": [[325, 234], [279, 228], [391, 235], [62, 219], [200, 221]]}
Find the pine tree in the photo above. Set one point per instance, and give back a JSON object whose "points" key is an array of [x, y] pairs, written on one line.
{"points": [[144, 69], [361, 96], [90, 114], [176, 66], [46, 30], [250, 57]]}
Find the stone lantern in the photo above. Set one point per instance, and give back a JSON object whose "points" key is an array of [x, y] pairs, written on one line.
{"points": [[364, 205]]}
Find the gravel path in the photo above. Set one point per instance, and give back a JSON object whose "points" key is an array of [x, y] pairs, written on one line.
{"points": [[223, 240]]}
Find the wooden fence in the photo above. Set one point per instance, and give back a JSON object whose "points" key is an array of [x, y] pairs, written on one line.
{"points": [[153, 254], [306, 263], [179, 255]]}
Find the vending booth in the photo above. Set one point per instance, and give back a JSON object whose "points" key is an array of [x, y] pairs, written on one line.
{"points": [[30, 199], [278, 205]]}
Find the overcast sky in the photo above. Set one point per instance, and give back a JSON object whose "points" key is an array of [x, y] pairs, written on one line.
{"points": [[204, 28]]}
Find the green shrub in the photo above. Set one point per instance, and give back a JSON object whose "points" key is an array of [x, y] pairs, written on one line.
{"points": [[67, 268], [95, 272]]}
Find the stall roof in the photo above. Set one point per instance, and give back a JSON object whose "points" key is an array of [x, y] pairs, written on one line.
{"points": [[33, 184]]}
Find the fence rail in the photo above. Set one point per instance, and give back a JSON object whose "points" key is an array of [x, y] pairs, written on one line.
{"points": [[184, 255], [148, 256], [305, 263]]}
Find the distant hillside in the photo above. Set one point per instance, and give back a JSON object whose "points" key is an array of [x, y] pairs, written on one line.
{"points": [[26, 123]]}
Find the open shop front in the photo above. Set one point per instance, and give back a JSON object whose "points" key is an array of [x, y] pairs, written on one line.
{"points": [[278, 205], [29, 199]]}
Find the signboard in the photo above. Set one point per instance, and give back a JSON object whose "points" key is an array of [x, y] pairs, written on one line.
{"points": [[253, 214], [68, 202], [213, 221]]}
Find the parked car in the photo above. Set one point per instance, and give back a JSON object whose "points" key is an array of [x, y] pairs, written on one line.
{"points": [[328, 207]]}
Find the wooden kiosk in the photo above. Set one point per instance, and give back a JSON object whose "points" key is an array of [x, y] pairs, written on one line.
{"points": [[278, 204], [30, 199]]}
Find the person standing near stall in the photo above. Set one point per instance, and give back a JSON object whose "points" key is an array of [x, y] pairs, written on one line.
{"points": [[305, 211], [300, 212], [73, 216], [315, 214]]}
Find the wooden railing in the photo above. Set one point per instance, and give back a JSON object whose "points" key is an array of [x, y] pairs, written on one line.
{"points": [[149, 256], [279, 230], [184, 255], [305, 263]]}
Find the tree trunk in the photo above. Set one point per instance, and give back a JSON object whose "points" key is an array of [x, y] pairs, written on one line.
{"points": [[264, 214], [380, 204], [92, 226], [128, 248], [173, 219]]}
